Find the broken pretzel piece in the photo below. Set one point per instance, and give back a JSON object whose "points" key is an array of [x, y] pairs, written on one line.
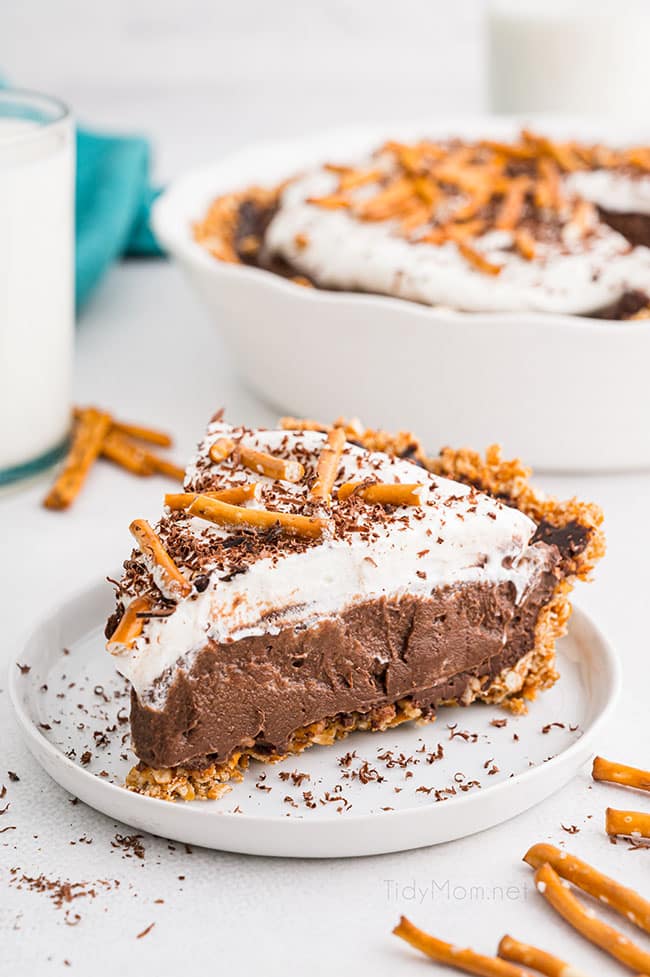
{"points": [[624, 901], [618, 773], [224, 514], [539, 960], [453, 956], [328, 465], [167, 577], [164, 467], [130, 627], [221, 449], [148, 434], [91, 428], [583, 920], [235, 496], [382, 493], [269, 465], [119, 448], [631, 824]]}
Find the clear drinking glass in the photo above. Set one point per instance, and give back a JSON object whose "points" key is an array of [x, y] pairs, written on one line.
{"points": [[578, 57], [37, 159]]}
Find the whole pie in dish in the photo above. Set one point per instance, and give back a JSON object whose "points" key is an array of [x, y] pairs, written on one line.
{"points": [[314, 580], [482, 226]]}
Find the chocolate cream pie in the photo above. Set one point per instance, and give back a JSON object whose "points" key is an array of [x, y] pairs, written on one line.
{"points": [[532, 225], [314, 580]]}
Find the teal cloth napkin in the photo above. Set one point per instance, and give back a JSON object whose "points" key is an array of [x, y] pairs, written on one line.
{"points": [[114, 198]]}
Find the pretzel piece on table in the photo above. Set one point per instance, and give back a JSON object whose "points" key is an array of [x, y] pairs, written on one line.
{"points": [[453, 956], [633, 824], [538, 960], [619, 773], [624, 901], [164, 467], [91, 427], [119, 448], [142, 433], [585, 922]]}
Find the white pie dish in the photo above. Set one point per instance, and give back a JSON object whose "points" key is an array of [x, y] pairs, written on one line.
{"points": [[66, 692], [566, 393]]}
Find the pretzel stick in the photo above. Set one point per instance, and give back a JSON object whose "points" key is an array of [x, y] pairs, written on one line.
{"points": [[624, 901], [164, 467], [525, 244], [127, 454], [302, 424], [221, 449], [510, 210], [167, 577], [618, 773], [632, 823], [382, 493], [148, 434], [265, 464], [531, 956], [480, 262], [453, 956], [89, 433], [224, 514], [550, 886], [328, 465], [235, 496], [130, 627]]}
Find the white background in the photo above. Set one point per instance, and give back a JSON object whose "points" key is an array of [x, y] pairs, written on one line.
{"points": [[201, 77]]}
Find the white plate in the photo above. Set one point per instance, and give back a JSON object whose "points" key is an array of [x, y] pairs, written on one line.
{"points": [[566, 393], [69, 698]]}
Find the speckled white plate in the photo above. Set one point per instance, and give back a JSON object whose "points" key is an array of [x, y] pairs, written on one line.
{"points": [[372, 793]]}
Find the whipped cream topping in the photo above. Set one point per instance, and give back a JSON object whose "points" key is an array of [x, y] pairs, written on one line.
{"points": [[457, 535], [612, 189], [337, 250]]}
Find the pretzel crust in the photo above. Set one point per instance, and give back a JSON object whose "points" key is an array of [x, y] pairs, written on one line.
{"points": [[618, 773], [459, 958], [624, 901], [557, 894]]}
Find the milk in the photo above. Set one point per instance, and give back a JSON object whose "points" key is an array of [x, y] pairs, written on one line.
{"points": [[36, 289], [570, 56]]}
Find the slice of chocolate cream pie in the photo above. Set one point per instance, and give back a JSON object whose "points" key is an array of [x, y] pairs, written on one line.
{"points": [[311, 581]]}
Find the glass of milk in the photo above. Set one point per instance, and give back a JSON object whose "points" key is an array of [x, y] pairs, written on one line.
{"points": [[36, 281], [569, 56]]}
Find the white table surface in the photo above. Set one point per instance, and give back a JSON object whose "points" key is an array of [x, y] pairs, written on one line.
{"points": [[240, 914]]}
